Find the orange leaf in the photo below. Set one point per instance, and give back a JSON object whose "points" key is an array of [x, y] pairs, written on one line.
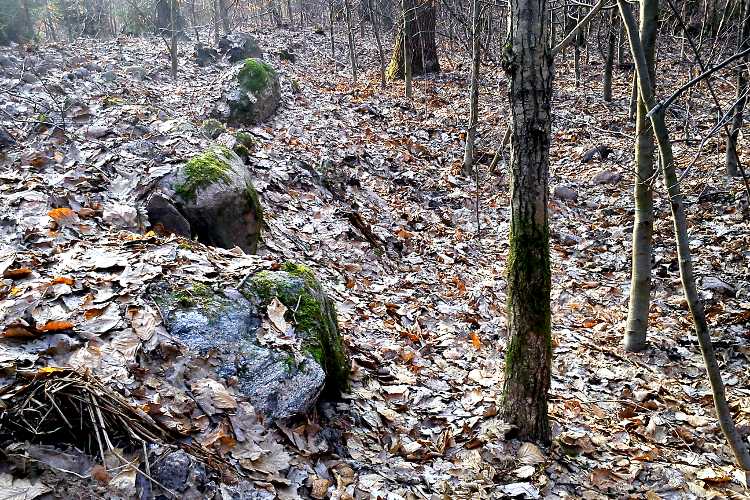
{"points": [[55, 326], [92, 313], [15, 274], [18, 331], [61, 214], [590, 323], [475, 340], [61, 279]]}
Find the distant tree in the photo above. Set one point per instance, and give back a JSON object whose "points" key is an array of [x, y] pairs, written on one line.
{"points": [[417, 35], [528, 63], [16, 24]]}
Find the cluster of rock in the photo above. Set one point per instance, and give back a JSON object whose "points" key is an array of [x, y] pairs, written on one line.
{"points": [[211, 197]]}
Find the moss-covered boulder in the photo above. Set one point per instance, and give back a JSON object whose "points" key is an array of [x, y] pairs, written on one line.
{"points": [[214, 192], [223, 326], [251, 93], [311, 312], [280, 378]]}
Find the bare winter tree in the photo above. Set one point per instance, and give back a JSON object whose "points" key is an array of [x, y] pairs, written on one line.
{"points": [[528, 62], [645, 171]]}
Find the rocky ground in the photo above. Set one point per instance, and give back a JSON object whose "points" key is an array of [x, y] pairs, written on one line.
{"points": [[362, 186]]}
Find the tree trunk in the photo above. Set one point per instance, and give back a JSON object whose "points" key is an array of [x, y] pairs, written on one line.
{"points": [[734, 439], [471, 130], [732, 161], [528, 62], [610, 62], [419, 27], [350, 34], [224, 13], [379, 43], [173, 39], [406, 49], [643, 227]]}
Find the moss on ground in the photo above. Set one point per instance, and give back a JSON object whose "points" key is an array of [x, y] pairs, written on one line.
{"points": [[254, 75], [203, 170], [313, 314]]}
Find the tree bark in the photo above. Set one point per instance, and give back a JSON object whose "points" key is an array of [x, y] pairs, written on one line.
{"points": [[471, 130], [731, 160], [610, 62], [224, 13], [419, 27], [528, 62], [643, 227], [350, 34], [734, 439]]}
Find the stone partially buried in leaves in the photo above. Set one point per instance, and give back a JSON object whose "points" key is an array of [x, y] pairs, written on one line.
{"points": [[251, 93], [279, 382], [311, 312], [215, 194], [223, 326]]}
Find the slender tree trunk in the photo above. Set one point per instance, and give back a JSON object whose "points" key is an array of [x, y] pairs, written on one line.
{"points": [[381, 53], [610, 62], [734, 439], [224, 14], [528, 62], [471, 131], [352, 48], [216, 16], [406, 48], [173, 39], [332, 19], [643, 227], [731, 160]]}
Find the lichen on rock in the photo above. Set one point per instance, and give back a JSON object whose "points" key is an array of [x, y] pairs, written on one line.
{"points": [[312, 313]]}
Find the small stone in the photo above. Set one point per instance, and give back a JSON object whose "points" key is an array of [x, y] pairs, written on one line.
{"points": [[569, 240], [719, 286], [174, 470], [82, 73], [109, 76], [97, 131], [607, 177], [565, 193]]}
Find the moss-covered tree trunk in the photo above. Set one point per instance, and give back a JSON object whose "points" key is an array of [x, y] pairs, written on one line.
{"points": [[643, 226], [419, 27], [528, 62]]}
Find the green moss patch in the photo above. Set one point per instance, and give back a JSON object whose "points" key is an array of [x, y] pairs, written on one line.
{"points": [[203, 170], [312, 313], [254, 75]]}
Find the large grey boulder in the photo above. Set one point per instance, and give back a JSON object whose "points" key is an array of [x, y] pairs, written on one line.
{"points": [[251, 93], [282, 379], [237, 47], [211, 197]]}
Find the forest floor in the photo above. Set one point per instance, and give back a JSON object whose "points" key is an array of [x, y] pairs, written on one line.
{"points": [[420, 301]]}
